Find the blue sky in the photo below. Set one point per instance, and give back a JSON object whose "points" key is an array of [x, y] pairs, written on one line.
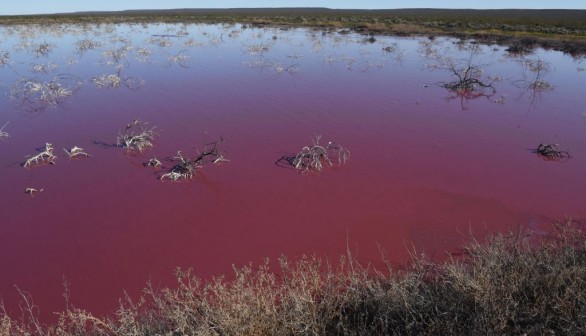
{"points": [[15, 7]]}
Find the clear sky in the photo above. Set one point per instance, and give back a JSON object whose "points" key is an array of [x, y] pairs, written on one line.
{"points": [[14, 7]]}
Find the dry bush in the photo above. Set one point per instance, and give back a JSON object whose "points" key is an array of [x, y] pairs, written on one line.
{"points": [[86, 44], [37, 95], [43, 68], [4, 57], [180, 59], [314, 157], [136, 136], [3, 133], [538, 70], [42, 49], [104, 81], [468, 81], [185, 168], [509, 285], [115, 80], [76, 152], [551, 152]]}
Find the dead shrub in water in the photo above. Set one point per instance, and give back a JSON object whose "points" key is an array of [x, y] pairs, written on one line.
{"points": [[539, 69], [43, 68], [469, 77], [185, 168], [469, 81], [3, 133], [136, 136], [112, 80], [37, 95], [42, 49], [4, 57], [115, 80], [86, 44], [76, 152], [551, 152], [314, 157], [44, 157]]}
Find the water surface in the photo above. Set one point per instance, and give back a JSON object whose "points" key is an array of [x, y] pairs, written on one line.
{"points": [[427, 167]]}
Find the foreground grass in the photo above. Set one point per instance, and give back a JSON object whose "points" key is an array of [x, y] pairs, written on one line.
{"points": [[510, 285]]}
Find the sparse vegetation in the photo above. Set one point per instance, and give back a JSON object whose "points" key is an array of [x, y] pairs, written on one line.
{"points": [[511, 285]]}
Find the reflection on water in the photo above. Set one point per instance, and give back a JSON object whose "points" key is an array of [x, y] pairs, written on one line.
{"points": [[443, 134]]}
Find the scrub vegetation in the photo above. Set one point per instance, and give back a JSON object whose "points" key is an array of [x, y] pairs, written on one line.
{"points": [[512, 284]]}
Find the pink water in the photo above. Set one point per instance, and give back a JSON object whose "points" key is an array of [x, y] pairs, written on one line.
{"points": [[425, 171]]}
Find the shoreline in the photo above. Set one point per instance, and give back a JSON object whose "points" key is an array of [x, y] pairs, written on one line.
{"points": [[520, 30]]}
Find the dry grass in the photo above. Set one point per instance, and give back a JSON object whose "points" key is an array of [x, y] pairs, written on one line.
{"points": [[510, 285]]}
